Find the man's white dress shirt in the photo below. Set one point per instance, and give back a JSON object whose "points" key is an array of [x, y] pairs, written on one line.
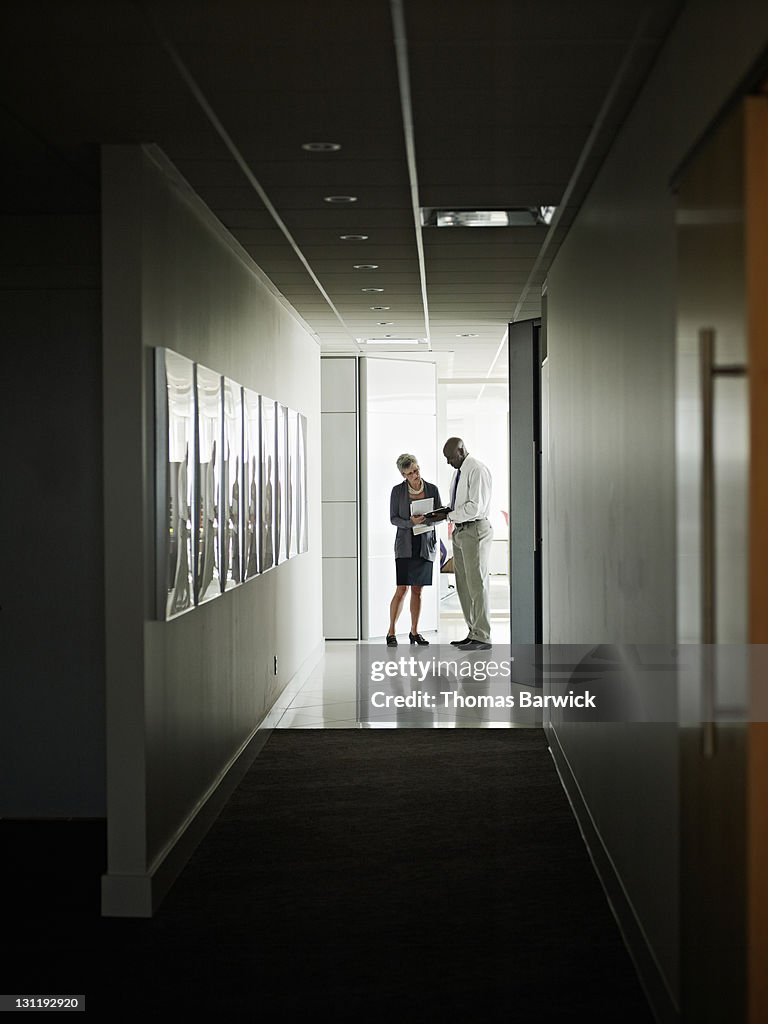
{"points": [[473, 494]]}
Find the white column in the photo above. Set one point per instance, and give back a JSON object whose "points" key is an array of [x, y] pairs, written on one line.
{"points": [[341, 565]]}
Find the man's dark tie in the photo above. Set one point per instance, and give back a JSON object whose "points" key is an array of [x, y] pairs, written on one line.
{"points": [[455, 488]]}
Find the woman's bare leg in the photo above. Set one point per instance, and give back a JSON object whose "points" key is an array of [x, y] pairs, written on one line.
{"points": [[395, 607], [415, 608]]}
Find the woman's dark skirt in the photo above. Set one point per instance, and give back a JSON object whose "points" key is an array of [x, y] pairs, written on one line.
{"points": [[413, 572]]}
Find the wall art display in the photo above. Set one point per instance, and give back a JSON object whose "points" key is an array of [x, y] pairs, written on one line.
{"points": [[268, 483], [281, 490], [207, 520], [301, 487], [175, 482], [230, 480], [231, 517], [251, 483], [292, 538]]}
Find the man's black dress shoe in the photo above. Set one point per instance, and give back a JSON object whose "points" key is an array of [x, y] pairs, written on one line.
{"points": [[474, 645], [391, 640], [458, 643], [417, 638]]}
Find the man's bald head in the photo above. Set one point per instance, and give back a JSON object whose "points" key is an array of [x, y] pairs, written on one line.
{"points": [[454, 452]]}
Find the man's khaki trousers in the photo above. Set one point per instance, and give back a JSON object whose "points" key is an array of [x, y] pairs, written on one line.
{"points": [[471, 552]]}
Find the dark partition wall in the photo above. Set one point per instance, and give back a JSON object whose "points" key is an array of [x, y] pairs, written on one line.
{"points": [[525, 482]]}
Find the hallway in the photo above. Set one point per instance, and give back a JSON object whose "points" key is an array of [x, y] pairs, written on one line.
{"points": [[405, 875], [250, 252]]}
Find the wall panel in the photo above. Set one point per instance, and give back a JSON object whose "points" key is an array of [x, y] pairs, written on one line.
{"points": [[186, 696]]}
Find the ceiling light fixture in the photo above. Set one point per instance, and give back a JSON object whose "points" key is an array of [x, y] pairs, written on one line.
{"points": [[521, 217], [365, 266], [354, 238], [380, 308], [340, 199], [467, 335], [385, 323], [389, 340], [371, 289], [321, 147]]}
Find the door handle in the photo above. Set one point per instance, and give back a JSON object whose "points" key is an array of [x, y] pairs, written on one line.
{"points": [[708, 372]]}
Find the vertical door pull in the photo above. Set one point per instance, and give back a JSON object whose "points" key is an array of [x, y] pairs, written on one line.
{"points": [[708, 372]]}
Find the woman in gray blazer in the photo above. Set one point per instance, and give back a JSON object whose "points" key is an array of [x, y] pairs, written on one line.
{"points": [[414, 555]]}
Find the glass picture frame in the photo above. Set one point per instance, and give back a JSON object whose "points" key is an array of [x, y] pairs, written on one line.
{"points": [[281, 489], [251, 484], [292, 462], [231, 483], [268, 483], [175, 483], [209, 432], [302, 506]]}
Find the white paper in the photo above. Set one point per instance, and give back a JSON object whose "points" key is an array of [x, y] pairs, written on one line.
{"points": [[418, 508]]}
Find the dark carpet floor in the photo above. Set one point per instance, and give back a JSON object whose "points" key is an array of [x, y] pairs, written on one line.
{"points": [[375, 875]]}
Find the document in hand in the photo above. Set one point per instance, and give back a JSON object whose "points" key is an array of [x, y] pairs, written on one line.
{"points": [[420, 508], [439, 512]]}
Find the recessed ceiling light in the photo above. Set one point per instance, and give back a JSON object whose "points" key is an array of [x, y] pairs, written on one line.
{"points": [[371, 289], [382, 308], [320, 147], [366, 266], [354, 238], [467, 335], [340, 199]]}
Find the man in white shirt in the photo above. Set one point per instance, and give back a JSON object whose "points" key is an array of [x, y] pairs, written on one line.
{"points": [[470, 503]]}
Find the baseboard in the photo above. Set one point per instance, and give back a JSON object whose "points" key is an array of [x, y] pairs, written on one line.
{"points": [[651, 978], [141, 895]]}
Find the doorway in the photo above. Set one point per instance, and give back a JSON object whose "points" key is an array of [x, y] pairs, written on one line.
{"points": [[477, 410]]}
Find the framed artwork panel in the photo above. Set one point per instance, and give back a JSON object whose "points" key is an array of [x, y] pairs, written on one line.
{"points": [[268, 483], [251, 484], [292, 460], [231, 517], [209, 408], [302, 524], [175, 483], [281, 489]]}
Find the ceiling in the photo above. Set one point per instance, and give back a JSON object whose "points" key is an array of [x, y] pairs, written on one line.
{"points": [[450, 104]]}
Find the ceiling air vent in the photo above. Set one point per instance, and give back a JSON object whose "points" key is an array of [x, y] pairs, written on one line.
{"points": [[528, 216]]}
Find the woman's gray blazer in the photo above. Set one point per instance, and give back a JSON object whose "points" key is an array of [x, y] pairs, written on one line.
{"points": [[400, 516]]}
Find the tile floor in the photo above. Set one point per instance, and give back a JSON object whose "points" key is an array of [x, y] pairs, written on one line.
{"points": [[328, 697]]}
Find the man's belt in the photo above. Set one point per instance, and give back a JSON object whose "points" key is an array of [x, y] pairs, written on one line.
{"points": [[468, 522]]}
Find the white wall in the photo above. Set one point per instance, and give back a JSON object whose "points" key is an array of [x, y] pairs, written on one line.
{"points": [[184, 696], [611, 491]]}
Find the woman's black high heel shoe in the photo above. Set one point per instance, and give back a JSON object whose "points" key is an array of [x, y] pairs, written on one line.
{"points": [[417, 638], [391, 640]]}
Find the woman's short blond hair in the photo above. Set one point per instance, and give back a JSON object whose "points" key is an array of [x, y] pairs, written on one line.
{"points": [[405, 461]]}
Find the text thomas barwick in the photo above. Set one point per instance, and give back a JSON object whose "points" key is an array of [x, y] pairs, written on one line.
{"points": [[454, 699]]}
